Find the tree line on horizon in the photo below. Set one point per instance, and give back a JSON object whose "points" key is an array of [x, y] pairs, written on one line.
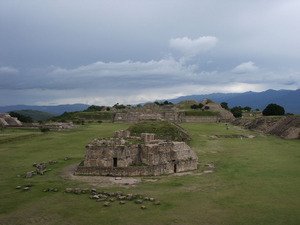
{"points": [[271, 110]]}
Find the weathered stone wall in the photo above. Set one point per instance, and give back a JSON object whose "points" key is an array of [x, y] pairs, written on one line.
{"points": [[152, 157], [136, 116], [154, 170], [122, 134], [155, 154], [146, 138], [129, 171], [171, 116], [103, 156]]}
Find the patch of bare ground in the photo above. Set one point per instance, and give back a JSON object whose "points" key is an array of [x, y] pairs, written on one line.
{"points": [[126, 182], [99, 181], [232, 136]]}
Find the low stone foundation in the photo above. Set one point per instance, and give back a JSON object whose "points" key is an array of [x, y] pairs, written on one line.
{"points": [[153, 170]]}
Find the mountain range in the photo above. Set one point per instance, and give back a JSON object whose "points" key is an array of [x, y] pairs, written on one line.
{"points": [[289, 99], [57, 110]]}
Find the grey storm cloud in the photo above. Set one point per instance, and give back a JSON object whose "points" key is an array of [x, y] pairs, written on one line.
{"points": [[246, 67], [190, 47], [101, 52]]}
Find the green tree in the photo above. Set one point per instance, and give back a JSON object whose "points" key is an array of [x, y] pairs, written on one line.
{"points": [[44, 129], [195, 106], [224, 105], [94, 108], [247, 108], [273, 110], [236, 111], [22, 118], [118, 106], [163, 103]]}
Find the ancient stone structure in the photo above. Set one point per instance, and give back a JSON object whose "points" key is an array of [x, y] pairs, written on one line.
{"points": [[177, 117], [153, 112], [125, 155], [6, 120], [56, 126], [136, 116]]}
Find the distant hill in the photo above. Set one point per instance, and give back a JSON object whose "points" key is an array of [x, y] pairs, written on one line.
{"points": [[35, 115], [289, 99], [57, 110]]}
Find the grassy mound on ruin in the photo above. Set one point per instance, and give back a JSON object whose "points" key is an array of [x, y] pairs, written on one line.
{"points": [[200, 113], [83, 116], [159, 128]]}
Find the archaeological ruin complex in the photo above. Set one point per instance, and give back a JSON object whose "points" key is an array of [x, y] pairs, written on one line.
{"points": [[171, 113], [125, 155]]}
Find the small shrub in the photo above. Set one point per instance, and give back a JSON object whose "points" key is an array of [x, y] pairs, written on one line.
{"points": [[224, 105], [44, 129], [195, 106]]}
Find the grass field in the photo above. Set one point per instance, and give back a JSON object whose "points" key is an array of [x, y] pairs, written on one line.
{"points": [[255, 181]]}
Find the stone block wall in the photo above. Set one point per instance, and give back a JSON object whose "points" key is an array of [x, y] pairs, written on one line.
{"points": [[155, 154], [151, 157], [111, 156], [154, 170], [122, 134], [146, 138], [172, 116], [130, 171]]}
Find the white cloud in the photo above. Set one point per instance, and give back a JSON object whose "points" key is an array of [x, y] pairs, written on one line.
{"points": [[191, 47], [246, 67], [8, 70], [131, 82]]}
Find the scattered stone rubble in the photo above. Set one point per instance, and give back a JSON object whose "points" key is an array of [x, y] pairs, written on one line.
{"points": [[108, 198], [25, 188], [41, 168]]}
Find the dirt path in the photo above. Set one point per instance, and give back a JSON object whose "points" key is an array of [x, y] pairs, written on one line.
{"points": [[99, 181]]}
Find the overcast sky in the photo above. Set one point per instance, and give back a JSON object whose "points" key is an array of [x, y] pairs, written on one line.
{"points": [[103, 52]]}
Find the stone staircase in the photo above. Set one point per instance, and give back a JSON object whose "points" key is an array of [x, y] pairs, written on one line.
{"points": [[7, 120]]}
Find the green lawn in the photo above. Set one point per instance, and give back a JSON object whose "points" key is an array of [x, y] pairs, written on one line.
{"points": [[255, 181]]}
